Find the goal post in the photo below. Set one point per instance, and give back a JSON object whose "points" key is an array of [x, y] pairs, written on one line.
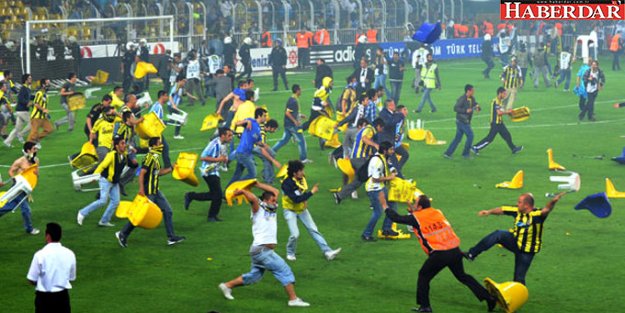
{"points": [[32, 25]]}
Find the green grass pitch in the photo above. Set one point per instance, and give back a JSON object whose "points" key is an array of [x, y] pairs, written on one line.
{"points": [[580, 266]]}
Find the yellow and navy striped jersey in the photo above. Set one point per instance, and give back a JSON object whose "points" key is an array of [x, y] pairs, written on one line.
{"points": [[528, 228], [361, 149], [494, 108], [512, 76], [112, 166], [41, 99], [152, 166]]}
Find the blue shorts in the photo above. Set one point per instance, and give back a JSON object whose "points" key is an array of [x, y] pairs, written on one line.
{"points": [[267, 259]]}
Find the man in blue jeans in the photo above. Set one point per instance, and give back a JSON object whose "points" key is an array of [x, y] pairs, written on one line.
{"points": [[291, 125], [379, 174], [295, 204], [110, 170], [264, 258], [465, 106], [21, 164], [243, 154], [524, 239]]}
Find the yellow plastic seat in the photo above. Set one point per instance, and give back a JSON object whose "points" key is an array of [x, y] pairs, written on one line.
{"points": [[431, 140], [520, 114], [76, 101], [211, 121], [100, 78], [322, 127], [515, 183], [123, 208], [241, 185], [511, 296], [143, 69], [553, 165], [86, 158], [401, 190], [184, 168], [611, 191], [144, 213], [152, 126]]}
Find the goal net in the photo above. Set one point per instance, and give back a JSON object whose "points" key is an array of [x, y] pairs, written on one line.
{"points": [[85, 46]]}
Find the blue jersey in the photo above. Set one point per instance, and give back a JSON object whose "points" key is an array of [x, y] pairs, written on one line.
{"points": [[249, 138]]}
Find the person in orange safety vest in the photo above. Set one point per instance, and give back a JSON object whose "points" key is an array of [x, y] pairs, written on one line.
{"points": [[265, 40], [441, 244], [616, 46], [303, 41], [322, 37]]}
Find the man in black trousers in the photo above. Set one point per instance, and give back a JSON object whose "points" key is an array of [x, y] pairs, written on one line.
{"points": [[214, 157], [439, 241], [277, 60], [497, 126]]}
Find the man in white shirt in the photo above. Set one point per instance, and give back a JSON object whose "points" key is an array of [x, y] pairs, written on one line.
{"points": [[193, 78], [565, 69], [379, 174], [264, 258], [51, 271]]}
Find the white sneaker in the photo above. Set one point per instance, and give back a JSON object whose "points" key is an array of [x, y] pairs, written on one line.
{"points": [[226, 291], [80, 218], [35, 231], [298, 302], [355, 194], [7, 144], [306, 161], [179, 137], [291, 257], [331, 255], [107, 224]]}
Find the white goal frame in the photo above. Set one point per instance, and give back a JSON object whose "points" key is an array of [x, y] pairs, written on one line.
{"points": [[106, 20]]}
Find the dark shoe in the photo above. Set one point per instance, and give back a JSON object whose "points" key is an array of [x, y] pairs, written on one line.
{"points": [[337, 199], [187, 201], [390, 233], [592, 119], [475, 150], [275, 89], [368, 238], [467, 255], [175, 239], [417, 111], [215, 219], [492, 303], [422, 309], [517, 149], [433, 111], [121, 239]]}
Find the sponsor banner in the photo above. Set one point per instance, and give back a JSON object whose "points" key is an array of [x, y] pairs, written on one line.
{"points": [[335, 54], [562, 10], [260, 59], [442, 50], [106, 51]]}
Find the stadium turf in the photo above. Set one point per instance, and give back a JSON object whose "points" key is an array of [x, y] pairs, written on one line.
{"points": [[580, 266]]}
